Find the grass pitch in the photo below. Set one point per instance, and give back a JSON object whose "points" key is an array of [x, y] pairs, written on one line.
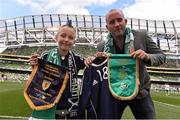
{"points": [[12, 103]]}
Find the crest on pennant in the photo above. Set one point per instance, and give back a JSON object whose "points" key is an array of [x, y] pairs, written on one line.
{"points": [[45, 84]]}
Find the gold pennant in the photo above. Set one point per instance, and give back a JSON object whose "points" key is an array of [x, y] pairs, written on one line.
{"points": [[45, 84]]}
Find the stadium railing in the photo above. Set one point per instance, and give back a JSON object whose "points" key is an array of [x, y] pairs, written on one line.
{"points": [[14, 58]]}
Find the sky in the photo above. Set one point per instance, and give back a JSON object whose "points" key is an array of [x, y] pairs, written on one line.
{"points": [[142, 9]]}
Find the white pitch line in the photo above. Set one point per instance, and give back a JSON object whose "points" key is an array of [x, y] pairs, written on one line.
{"points": [[20, 117], [167, 104], [7, 89], [15, 117]]}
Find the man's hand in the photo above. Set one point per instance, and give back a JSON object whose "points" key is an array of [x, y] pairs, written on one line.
{"points": [[140, 54], [102, 54], [88, 61]]}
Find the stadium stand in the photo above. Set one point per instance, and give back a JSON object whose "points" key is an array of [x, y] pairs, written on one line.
{"points": [[25, 35], [160, 70]]}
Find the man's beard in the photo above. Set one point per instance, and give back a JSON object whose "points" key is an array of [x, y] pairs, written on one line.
{"points": [[119, 33]]}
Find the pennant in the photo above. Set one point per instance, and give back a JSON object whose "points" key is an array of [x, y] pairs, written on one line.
{"points": [[123, 76], [45, 85]]}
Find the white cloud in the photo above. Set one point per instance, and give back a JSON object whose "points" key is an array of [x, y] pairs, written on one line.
{"points": [[73, 10], [154, 9], [103, 2], [63, 6], [143, 9]]}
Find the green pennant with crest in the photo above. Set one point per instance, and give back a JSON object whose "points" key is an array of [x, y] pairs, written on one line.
{"points": [[123, 76]]}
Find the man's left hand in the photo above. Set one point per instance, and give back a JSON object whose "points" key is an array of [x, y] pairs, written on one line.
{"points": [[140, 54]]}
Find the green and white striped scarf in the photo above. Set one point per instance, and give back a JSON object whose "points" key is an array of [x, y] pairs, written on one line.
{"points": [[54, 56], [129, 42]]}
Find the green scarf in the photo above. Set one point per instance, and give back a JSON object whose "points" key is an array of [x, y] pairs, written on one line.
{"points": [[54, 56], [129, 42]]}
